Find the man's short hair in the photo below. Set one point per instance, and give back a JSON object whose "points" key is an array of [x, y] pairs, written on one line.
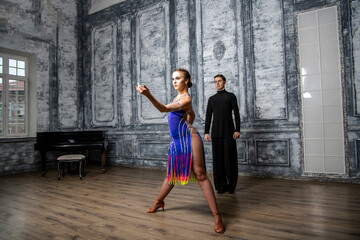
{"points": [[221, 76]]}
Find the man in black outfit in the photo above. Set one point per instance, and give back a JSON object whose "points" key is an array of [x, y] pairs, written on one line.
{"points": [[223, 136]]}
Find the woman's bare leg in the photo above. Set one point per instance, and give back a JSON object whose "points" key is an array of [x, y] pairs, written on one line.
{"points": [[164, 191], [203, 180]]}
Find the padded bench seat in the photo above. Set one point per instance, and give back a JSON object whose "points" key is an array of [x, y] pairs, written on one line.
{"points": [[69, 158]]}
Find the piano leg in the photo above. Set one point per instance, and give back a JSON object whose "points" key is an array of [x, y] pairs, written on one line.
{"points": [[43, 162], [80, 169], [103, 162]]}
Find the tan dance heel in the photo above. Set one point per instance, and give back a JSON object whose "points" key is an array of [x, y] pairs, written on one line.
{"points": [[220, 229], [158, 204]]}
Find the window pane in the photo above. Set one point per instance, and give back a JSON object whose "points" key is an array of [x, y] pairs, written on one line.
{"points": [[1, 106], [16, 118], [21, 72], [1, 65], [1, 61], [12, 71], [12, 63], [17, 67], [21, 64]]}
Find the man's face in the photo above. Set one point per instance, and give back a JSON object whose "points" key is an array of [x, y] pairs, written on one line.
{"points": [[219, 83]]}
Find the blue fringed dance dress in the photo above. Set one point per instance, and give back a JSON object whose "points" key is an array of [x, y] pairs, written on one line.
{"points": [[179, 170]]}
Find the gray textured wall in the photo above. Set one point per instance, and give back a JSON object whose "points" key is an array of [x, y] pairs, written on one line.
{"points": [[251, 42], [47, 30], [88, 69]]}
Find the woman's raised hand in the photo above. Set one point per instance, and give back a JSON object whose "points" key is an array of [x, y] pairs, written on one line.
{"points": [[142, 89]]}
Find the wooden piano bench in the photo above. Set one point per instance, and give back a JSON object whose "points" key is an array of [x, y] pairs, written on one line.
{"points": [[69, 158]]}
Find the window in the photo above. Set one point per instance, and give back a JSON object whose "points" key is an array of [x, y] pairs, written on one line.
{"points": [[13, 95]]}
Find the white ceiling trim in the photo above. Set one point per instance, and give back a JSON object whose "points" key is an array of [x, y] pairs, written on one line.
{"points": [[98, 5]]}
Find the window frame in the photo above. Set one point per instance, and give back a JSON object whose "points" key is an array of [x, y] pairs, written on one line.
{"points": [[6, 77]]}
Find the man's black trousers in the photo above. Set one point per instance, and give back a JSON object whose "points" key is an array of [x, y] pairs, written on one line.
{"points": [[225, 166]]}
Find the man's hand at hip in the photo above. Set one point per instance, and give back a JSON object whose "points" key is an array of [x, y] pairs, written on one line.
{"points": [[207, 137], [236, 135]]}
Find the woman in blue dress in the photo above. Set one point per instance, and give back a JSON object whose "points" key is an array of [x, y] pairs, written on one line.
{"points": [[186, 161]]}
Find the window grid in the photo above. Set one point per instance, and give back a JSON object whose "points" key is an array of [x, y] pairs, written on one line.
{"points": [[16, 110], [13, 96], [16, 67]]}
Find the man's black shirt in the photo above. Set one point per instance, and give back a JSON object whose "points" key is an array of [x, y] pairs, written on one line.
{"points": [[221, 106]]}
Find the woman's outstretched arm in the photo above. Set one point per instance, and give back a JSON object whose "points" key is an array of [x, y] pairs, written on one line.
{"points": [[184, 103]]}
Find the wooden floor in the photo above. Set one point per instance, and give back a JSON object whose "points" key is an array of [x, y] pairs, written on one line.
{"points": [[113, 206]]}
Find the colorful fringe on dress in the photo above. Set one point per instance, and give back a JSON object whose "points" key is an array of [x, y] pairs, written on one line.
{"points": [[179, 170]]}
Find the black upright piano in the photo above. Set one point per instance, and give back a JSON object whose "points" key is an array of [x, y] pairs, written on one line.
{"points": [[71, 141]]}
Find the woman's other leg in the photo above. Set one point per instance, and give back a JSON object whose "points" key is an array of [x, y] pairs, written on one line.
{"points": [[203, 180]]}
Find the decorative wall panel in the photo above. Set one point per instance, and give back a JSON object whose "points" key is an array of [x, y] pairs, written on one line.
{"points": [[127, 86], [354, 154], [242, 147], [153, 150], [268, 60], [272, 152], [242, 151], [104, 80], [128, 149], [153, 60], [355, 21], [182, 34], [67, 74], [357, 150], [219, 48]]}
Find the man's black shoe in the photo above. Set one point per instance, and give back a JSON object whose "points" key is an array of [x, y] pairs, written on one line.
{"points": [[221, 191], [231, 191]]}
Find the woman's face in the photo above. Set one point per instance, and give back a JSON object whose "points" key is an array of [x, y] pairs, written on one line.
{"points": [[179, 82]]}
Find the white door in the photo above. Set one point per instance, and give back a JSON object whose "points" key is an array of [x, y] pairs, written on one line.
{"points": [[321, 91]]}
